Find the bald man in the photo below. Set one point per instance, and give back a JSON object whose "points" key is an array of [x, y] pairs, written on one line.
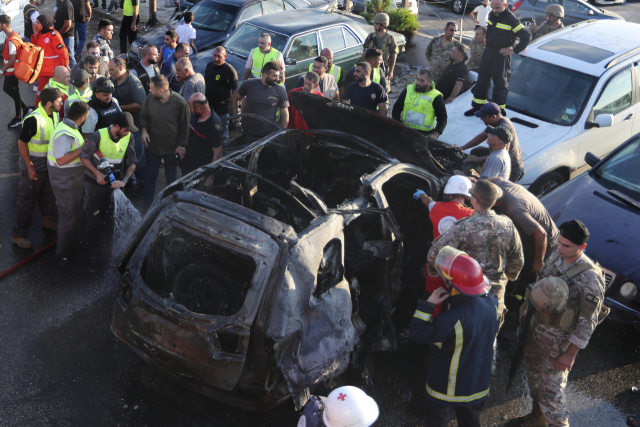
{"points": [[221, 81], [334, 70], [61, 80], [190, 81], [205, 143]]}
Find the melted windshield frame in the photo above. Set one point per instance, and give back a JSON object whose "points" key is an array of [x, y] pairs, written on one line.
{"points": [[627, 154], [200, 25]]}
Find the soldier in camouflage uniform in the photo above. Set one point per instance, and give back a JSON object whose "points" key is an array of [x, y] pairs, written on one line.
{"points": [[439, 50], [383, 40], [477, 46], [557, 333], [487, 237], [554, 13]]}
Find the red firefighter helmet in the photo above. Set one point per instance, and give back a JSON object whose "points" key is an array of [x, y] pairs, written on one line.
{"points": [[459, 270]]}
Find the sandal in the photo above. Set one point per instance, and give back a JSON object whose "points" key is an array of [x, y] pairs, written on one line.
{"points": [[633, 421]]}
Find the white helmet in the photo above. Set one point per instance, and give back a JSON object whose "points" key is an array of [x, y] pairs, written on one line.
{"points": [[349, 406], [458, 184]]}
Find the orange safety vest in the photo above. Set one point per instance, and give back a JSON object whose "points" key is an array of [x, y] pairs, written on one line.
{"points": [[55, 52], [17, 42]]}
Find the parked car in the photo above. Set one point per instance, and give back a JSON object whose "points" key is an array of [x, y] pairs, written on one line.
{"points": [[215, 20], [607, 200], [301, 38], [574, 11], [13, 8], [268, 272], [460, 6], [573, 91]]}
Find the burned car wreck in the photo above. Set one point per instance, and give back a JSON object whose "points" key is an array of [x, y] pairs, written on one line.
{"points": [[269, 272]]}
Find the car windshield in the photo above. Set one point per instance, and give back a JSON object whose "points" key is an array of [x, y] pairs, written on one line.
{"points": [[245, 38], [620, 172], [547, 92], [212, 15]]}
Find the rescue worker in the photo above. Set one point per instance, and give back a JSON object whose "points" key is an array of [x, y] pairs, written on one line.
{"points": [[438, 51], [420, 106], [554, 14], [381, 39], [558, 329], [345, 406], [333, 69], [34, 186], [259, 56], [61, 81], [66, 173], [443, 215], [487, 237], [502, 32], [459, 374], [104, 107], [81, 90], [55, 51], [116, 146], [10, 86]]}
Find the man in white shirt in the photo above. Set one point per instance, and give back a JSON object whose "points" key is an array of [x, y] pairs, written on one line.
{"points": [[327, 85], [481, 13], [186, 32]]}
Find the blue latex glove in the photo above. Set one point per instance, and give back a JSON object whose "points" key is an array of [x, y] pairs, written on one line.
{"points": [[417, 194]]}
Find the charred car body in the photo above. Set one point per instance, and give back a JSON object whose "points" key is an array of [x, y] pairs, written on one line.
{"points": [[269, 271]]}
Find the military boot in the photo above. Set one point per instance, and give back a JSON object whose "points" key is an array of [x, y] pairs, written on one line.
{"points": [[48, 223], [534, 419]]}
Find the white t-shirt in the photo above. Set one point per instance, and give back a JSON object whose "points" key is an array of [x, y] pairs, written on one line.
{"points": [[185, 33], [150, 70], [483, 13], [12, 48]]}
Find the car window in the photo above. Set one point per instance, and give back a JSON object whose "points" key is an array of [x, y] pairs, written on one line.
{"points": [[575, 7], [245, 38], [212, 15], [274, 7], [351, 39], [251, 12], [542, 4], [304, 47], [616, 95], [332, 38], [620, 172], [288, 6]]}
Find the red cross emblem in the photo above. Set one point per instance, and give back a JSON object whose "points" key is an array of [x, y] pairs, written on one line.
{"points": [[342, 397]]}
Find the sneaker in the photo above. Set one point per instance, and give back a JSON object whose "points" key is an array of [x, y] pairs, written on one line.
{"points": [[108, 13], [23, 242], [15, 122], [470, 112]]}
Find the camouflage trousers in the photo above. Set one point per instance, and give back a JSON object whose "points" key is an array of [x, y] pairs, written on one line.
{"points": [[546, 383]]}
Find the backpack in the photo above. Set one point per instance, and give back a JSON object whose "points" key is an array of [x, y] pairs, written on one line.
{"points": [[29, 58]]}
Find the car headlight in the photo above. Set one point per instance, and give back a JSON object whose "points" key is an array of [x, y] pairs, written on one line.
{"points": [[628, 290]]}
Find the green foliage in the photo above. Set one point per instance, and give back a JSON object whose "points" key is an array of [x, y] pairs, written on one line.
{"points": [[378, 6], [400, 20]]}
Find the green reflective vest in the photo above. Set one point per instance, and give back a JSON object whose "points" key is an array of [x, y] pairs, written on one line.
{"points": [[418, 112], [127, 8], [54, 84], [258, 59], [85, 96], [65, 129], [335, 71], [113, 151], [39, 144]]}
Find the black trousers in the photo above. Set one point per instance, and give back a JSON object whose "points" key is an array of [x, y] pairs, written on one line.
{"points": [[127, 36], [516, 170], [11, 87], [496, 66], [437, 415], [98, 202], [31, 192]]}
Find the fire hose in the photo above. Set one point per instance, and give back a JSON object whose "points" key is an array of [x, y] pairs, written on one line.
{"points": [[26, 260]]}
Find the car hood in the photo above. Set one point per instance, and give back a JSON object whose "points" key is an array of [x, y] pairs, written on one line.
{"points": [[206, 38], [533, 134], [613, 243]]}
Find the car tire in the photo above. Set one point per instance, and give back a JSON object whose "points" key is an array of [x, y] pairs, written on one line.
{"points": [[457, 6], [526, 22], [546, 184]]}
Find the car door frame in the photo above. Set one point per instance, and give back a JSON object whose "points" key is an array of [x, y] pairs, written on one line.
{"points": [[291, 79], [348, 58]]}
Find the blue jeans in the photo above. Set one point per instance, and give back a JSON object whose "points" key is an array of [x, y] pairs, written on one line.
{"points": [[81, 37], [225, 126], [141, 168], [69, 42], [153, 169]]}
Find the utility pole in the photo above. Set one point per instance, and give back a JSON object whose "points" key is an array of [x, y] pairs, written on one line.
{"points": [[153, 20], [347, 3]]}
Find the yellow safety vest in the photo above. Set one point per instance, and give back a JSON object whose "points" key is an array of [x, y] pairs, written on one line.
{"points": [[259, 59], [65, 129], [127, 8], [418, 112], [335, 71], [85, 96], [113, 151], [39, 144], [56, 85]]}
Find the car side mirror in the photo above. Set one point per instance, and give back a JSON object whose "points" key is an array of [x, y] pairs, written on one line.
{"points": [[290, 61], [591, 12], [591, 159], [602, 120]]}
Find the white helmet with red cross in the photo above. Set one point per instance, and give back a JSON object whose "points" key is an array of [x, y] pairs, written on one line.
{"points": [[349, 407]]}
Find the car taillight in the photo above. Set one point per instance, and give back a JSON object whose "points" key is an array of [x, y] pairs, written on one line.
{"points": [[515, 6]]}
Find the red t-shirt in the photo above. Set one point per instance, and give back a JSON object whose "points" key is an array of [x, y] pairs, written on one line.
{"points": [[444, 214], [296, 121]]}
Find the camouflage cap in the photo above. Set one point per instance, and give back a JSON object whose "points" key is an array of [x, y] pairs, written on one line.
{"points": [[550, 294]]}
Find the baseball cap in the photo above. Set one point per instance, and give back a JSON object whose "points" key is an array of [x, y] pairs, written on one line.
{"points": [[488, 109], [124, 120], [79, 77], [501, 132]]}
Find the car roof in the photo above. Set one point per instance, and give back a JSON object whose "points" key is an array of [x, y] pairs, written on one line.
{"points": [[234, 2], [590, 46], [299, 20]]}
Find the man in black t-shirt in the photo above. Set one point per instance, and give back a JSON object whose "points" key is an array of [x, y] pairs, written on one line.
{"points": [[30, 14], [452, 80], [82, 16], [63, 22], [204, 144], [221, 80], [364, 93]]}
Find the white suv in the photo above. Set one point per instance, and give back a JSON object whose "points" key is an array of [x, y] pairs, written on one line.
{"points": [[573, 91]]}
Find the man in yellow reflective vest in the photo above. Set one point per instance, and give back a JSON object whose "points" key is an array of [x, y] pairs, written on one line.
{"points": [[108, 148], [129, 25], [66, 173], [82, 90], [332, 69], [61, 81], [420, 106], [259, 56], [34, 186]]}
